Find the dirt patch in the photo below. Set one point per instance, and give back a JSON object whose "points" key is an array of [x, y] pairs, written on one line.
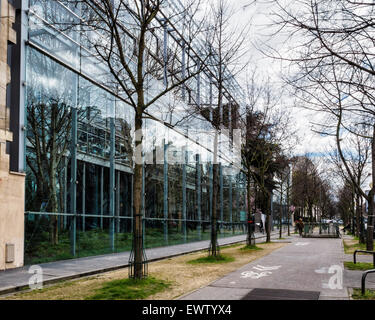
{"points": [[185, 277], [350, 245]]}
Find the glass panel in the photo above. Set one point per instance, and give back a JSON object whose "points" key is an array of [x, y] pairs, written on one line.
{"points": [[51, 93], [154, 233], [38, 247]]}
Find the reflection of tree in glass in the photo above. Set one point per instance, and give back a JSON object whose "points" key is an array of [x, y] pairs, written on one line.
{"points": [[126, 141], [48, 128]]}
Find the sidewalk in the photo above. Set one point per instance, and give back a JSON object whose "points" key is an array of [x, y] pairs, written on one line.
{"points": [[298, 271], [17, 279]]}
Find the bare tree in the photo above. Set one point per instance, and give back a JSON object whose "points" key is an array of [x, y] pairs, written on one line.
{"points": [[125, 37], [227, 60], [48, 127], [306, 185], [334, 70], [267, 137], [357, 154]]}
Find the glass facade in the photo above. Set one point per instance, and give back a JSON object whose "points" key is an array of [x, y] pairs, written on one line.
{"points": [[80, 154]]}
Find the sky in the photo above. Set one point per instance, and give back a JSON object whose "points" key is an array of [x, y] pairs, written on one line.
{"points": [[260, 13], [312, 143], [261, 39]]}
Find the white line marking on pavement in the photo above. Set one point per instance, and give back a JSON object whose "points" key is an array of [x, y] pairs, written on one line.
{"points": [[322, 270], [265, 272], [255, 275], [261, 268]]}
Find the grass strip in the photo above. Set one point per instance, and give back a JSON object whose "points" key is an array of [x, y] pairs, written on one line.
{"points": [[369, 295], [358, 266], [250, 248], [212, 259], [129, 289]]}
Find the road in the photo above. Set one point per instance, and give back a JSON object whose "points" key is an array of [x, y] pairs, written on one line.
{"points": [[305, 269]]}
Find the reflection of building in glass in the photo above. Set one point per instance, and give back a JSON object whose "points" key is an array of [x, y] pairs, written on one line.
{"points": [[78, 150]]}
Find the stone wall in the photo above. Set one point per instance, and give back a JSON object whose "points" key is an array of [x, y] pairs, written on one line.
{"points": [[12, 185]]}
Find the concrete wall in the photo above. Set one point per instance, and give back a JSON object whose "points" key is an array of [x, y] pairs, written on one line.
{"points": [[12, 185]]}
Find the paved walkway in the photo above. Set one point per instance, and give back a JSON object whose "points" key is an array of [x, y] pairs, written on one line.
{"points": [[17, 279], [303, 266]]}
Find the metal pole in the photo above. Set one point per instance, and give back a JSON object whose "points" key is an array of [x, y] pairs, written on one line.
{"points": [[288, 201], [199, 196], [73, 184], [118, 202], [165, 196], [230, 200], [132, 206], [211, 187], [112, 185], [238, 196], [271, 215], [281, 209], [65, 191], [84, 197], [221, 193], [143, 199], [101, 197], [320, 204], [184, 195]]}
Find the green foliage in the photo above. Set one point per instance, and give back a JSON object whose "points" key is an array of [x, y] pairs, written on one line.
{"points": [[129, 289], [358, 266], [212, 259], [38, 248], [369, 295]]}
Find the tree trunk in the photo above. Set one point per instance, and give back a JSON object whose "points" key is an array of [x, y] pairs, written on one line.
{"points": [[357, 216], [281, 212], [370, 219], [268, 219], [214, 250], [250, 235], [361, 234], [370, 222], [53, 205], [137, 202], [288, 205]]}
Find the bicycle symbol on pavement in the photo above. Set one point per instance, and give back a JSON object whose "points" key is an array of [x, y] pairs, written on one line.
{"points": [[265, 272]]}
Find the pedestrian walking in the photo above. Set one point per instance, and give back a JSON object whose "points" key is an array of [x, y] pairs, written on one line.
{"points": [[261, 229], [300, 226]]}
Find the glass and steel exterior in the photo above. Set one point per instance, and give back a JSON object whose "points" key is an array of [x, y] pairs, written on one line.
{"points": [[79, 154]]}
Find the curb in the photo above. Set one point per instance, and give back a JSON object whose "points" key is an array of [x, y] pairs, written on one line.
{"points": [[15, 289]]}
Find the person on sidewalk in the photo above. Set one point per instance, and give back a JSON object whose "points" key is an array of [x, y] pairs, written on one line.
{"points": [[261, 229], [300, 226]]}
